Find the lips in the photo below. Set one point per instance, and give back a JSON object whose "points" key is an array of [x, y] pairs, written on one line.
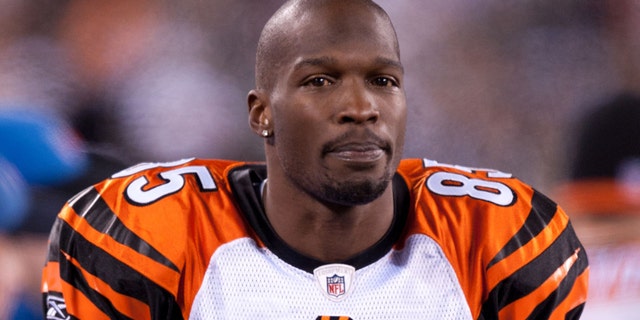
{"points": [[369, 149], [357, 152]]}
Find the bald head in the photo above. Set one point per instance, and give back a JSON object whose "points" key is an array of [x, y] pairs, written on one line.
{"points": [[335, 20]]}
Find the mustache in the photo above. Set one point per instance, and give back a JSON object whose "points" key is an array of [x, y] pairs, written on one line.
{"points": [[359, 138]]}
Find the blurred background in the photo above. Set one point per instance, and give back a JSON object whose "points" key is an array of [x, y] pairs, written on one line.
{"points": [[89, 87]]}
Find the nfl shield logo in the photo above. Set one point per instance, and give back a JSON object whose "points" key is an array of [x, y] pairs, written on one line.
{"points": [[336, 281], [335, 285]]}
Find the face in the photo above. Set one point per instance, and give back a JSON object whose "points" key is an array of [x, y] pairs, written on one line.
{"points": [[338, 108]]}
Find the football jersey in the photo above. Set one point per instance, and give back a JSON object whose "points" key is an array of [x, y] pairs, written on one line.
{"points": [[190, 240]]}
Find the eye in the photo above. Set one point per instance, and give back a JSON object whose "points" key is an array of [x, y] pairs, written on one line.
{"points": [[317, 82], [384, 82]]}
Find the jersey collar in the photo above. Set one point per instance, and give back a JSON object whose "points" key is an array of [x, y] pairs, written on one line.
{"points": [[246, 182]]}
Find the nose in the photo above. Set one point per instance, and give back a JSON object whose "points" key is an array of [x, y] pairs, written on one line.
{"points": [[357, 105]]}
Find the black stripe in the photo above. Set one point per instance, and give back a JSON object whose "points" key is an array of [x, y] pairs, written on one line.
{"points": [[544, 309], [542, 211], [575, 313], [120, 277], [92, 208], [54, 236], [528, 278], [73, 275]]}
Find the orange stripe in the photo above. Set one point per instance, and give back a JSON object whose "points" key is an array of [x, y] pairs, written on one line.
{"points": [[528, 252], [525, 305], [131, 307], [141, 263], [51, 278]]}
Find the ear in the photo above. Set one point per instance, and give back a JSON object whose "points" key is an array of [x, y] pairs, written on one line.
{"points": [[259, 112]]}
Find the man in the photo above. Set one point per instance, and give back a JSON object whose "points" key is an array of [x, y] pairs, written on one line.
{"points": [[341, 229]]}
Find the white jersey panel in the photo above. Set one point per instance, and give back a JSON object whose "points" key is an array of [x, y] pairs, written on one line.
{"points": [[247, 282]]}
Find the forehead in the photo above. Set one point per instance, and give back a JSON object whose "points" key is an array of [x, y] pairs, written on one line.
{"points": [[342, 27]]}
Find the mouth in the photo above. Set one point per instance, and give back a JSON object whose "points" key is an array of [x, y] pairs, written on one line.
{"points": [[357, 152], [366, 150]]}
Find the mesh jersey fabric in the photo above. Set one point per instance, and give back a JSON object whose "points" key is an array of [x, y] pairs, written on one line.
{"points": [[245, 282], [189, 239]]}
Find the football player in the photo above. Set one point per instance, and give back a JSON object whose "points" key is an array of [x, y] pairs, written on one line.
{"points": [[334, 225]]}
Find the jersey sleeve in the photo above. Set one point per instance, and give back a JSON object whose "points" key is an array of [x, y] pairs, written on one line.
{"points": [[90, 273], [136, 246], [541, 272], [513, 249]]}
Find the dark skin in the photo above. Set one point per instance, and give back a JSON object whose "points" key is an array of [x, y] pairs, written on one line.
{"points": [[335, 112]]}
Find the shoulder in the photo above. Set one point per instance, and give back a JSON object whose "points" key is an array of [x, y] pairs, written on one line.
{"points": [[145, 224], [496, 231], [490, 206], [147, 183], [162, 194], [160, 206], [448, 182]]}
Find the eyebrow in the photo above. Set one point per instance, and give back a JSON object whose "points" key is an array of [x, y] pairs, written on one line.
{"points": [[326, 61], [314, 62]]}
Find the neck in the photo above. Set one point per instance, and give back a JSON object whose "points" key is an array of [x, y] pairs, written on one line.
{"points": [[324, 232]]}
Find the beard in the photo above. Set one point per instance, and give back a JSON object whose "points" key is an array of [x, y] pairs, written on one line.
{"points": [[344, 192], [353, 193], [339, 187]]}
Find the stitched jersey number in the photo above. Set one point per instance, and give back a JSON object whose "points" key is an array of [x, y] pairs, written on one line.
{"points": [[457, 185], [174, 181]]}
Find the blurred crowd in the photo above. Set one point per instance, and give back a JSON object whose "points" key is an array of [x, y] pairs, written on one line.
{"points": [[89, 87]]}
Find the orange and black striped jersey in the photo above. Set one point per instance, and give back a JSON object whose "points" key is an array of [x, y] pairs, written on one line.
{"points": [[190, 240]]}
